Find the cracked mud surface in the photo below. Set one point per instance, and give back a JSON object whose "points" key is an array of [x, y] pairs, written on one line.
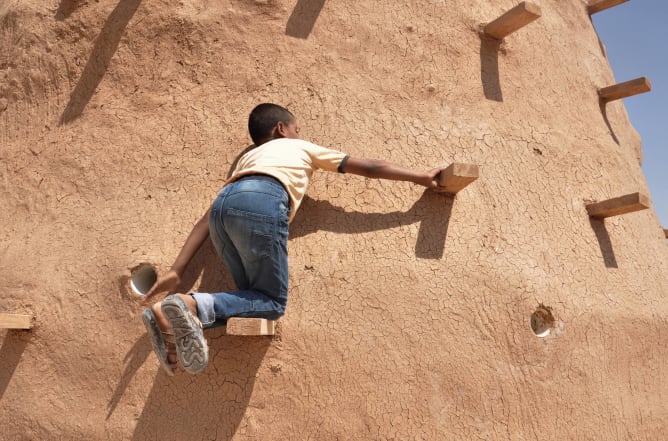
{"points": [[409, 314]]}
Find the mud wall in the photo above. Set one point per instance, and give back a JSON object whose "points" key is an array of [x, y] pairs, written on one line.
{"points": [[409, 314]]}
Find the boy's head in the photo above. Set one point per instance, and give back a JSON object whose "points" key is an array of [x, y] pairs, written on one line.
{"points": [[269, 121]]}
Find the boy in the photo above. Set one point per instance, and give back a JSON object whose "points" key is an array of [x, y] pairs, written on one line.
{"points": [[248, 225]]}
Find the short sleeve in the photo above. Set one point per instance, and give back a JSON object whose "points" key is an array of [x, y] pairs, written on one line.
{"points": [[326, 159]]}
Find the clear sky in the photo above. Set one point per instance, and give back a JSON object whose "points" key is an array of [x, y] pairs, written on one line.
{"points": [[634, 34]]}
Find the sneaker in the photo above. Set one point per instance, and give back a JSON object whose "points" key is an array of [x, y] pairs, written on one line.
{"points": [[157, 341], [191, 346]]}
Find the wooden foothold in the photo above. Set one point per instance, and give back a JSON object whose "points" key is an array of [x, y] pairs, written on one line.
{"points": [[601, 5], [457, 176], [518, 17], [621, 205], [626, 89], [16, 321], [250, 326]]}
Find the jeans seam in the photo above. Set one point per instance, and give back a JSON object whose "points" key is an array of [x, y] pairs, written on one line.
{"points": [[251, 216]]}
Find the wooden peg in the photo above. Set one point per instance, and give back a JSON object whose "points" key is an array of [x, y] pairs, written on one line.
{"points": [[518, 17], [626, 89], [601, 5], [16, 321], [457, 176], [250, 326], [621, 205]]}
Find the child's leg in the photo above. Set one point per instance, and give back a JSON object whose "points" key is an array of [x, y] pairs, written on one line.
{"points": [[160, 318], [249, 229]]}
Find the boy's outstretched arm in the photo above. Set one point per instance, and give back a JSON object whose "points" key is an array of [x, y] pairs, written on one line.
{"points": [[170, 281], [375, 168]]}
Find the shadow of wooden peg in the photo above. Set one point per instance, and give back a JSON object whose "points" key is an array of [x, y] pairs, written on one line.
{"points": [[518, 17], [616, 206], [250, 326], [601, 5], [16, 321], [457, 176], [625, 89]]}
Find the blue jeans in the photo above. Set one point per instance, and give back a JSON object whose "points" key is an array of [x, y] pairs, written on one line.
{"points": [[249, 229]]}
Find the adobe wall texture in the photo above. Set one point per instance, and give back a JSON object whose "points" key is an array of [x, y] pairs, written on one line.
{"points": [[409, 313]]}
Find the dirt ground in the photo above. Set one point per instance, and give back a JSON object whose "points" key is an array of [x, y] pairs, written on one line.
{"points": [[410, 314]]}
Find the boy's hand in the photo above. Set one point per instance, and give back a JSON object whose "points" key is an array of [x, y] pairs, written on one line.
{"points": [[167, 283], [432, 180]]}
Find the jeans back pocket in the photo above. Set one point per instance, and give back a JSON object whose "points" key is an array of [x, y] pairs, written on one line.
{"points": [[251, 233]]}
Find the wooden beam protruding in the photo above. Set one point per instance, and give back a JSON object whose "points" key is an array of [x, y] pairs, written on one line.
{"points": [[625, 89], [601, 5], [250, 326], [457, 176], [518, 17], [16, 321], [616, 206], [665, 232]]}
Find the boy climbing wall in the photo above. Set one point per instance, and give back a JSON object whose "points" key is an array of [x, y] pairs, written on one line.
{"points": [[248, 225]]}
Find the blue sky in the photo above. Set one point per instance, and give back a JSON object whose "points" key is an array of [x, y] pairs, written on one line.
{"points": [[634, 34]]}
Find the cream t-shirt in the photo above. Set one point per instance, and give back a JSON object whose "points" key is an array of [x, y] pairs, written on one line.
{"points": [[292, 162]]}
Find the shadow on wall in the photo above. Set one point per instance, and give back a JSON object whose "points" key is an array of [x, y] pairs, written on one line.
{"points": [[104, 48], [210, 405], [603, 105], [66, 8], [303, 17], [10, 355], [604, 242], [489, 67], [137, 355], [432, 211]]}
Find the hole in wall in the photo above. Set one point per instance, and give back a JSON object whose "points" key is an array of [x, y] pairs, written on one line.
{"points": [[142, 278], [542, 321]]}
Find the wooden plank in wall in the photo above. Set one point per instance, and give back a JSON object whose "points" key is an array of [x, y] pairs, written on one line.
{"points": [[16, 321], [457, 176], [250, 326], [518, 17], [601, 5], [620, 205], [625, 89]]}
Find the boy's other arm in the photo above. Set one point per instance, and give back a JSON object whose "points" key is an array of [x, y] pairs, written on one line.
{"points": [[378, 169], [170, 281]]}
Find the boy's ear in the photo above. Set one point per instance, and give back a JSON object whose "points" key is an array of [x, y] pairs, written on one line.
{"points": [[280, 131]]}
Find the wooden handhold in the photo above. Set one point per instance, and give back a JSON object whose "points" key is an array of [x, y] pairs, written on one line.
{"points": [[457, 176], [250, 326], [625, 89], [621, 205], [601, 5], [518, 17], [16, 321]]}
